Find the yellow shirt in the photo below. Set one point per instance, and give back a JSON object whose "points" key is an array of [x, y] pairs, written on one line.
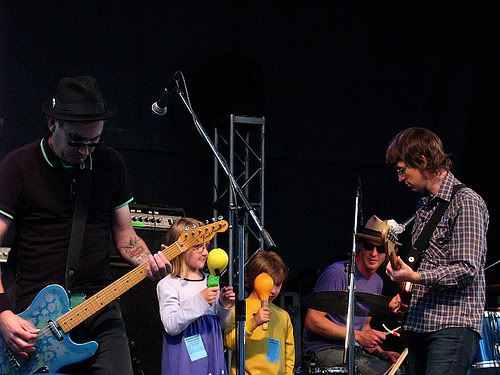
{"points": [[266, 352]]}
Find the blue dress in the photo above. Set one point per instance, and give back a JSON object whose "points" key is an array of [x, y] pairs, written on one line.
{"points": [[192, 342]]}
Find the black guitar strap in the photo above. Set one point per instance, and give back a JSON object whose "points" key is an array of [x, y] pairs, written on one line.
{"points": [[81, 182], [421, 244]]}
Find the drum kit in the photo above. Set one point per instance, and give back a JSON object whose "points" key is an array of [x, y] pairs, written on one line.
{"points": [[320, 370], [488, 350], [336, 302]]}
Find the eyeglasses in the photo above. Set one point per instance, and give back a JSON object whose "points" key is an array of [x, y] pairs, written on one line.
{"points": [[401, 171], [199, 248], [369, 247], [75, 140]]}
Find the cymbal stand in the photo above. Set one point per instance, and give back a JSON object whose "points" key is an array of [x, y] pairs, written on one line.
{"points": [[349, 352]]}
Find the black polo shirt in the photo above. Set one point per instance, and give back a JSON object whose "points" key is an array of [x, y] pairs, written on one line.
{"points": [[37, 192]]}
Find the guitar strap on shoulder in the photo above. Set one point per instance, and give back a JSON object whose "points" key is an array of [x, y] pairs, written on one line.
{"points": [[421, 244], [82, 181]]}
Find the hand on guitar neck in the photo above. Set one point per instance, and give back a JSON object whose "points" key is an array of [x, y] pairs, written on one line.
{"points": [[400, 272]]}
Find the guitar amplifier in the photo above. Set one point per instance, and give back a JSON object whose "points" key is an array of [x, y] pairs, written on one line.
{"points": [[151, 223], [154, 217]]}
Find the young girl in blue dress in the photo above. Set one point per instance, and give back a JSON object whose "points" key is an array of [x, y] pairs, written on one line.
{"points": [[192, 314]]}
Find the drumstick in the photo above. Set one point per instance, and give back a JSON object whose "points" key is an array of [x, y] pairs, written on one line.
{"points": [[391, 331], [392, 370]]}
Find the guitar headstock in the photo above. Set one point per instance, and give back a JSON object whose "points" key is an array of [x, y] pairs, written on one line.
{"points": [[390, 240], [197, 235]]}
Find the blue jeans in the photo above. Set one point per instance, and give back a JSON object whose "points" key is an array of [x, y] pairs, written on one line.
{"points": [[366, 363], [444, 352]]}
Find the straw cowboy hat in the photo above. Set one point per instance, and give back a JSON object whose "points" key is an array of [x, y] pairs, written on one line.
{"points": [[374, 231]]}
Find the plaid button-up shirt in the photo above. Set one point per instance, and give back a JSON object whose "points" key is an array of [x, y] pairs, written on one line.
{"points": [[452, 293]]}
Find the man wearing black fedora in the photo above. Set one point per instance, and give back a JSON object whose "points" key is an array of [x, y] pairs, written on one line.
{"points": [[67, 196]]}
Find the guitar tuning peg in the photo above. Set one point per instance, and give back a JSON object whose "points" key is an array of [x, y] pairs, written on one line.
{"points": [[213, 220], [206, 221], [220, 217]]}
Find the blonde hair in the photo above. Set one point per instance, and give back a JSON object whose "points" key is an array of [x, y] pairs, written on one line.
{"points": [[179, 267]]}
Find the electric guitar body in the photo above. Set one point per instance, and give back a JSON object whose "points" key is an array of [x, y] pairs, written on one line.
{"points": [[54, 348]]}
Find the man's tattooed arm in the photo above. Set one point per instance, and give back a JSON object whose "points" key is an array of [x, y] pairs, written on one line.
{"points": [[135, 250]]}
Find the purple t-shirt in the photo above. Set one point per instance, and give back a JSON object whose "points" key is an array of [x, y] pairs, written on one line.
{"points": [[335, 277]]}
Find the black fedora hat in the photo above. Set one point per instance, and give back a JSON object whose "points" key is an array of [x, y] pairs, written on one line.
{"points": [[78, 99]]}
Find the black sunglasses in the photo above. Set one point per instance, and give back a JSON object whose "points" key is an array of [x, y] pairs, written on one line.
{"points": [[369, 246], [78, 142]]}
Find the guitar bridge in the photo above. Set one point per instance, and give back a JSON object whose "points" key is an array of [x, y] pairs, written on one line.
{"points": [[55, 332], [12, 359], [9, 354]]}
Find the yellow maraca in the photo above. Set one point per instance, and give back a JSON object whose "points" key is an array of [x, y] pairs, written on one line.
{"points": [[217, 262]]}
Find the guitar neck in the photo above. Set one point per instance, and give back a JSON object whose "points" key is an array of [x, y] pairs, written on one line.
{"points": [[114, 290], [392, 259]]}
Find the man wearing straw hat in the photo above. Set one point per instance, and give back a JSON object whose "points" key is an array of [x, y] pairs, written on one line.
{"points": [[324, 331]]}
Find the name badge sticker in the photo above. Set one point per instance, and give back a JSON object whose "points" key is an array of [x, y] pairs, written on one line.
{"points": [[195, 347], [273, 350]]}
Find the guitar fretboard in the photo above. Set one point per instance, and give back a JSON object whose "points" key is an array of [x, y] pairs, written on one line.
{"points": [[114, 290]]}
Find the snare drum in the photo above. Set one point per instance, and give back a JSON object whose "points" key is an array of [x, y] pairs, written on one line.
{"points": [[488, 350], [320, 370]]}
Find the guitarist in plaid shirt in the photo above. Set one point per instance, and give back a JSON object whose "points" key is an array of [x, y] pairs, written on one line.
{"points": [[443, 321]]}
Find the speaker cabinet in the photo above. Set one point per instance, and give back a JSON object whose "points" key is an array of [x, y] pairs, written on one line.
{"points": [[142, 320], [140, 311]]}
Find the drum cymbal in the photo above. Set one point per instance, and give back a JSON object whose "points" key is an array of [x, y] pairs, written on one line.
{"points": [[336, 302]]}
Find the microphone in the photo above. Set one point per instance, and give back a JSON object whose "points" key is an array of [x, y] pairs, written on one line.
{"points": [[263, 285], [160, 106], [359, 193], [217, 262]]}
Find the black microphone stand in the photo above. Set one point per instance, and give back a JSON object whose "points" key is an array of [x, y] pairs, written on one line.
{"points": [[240, 307], [349, 353]]}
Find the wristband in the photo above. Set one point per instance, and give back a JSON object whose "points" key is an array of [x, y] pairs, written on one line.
{"points": [[4, 303]]}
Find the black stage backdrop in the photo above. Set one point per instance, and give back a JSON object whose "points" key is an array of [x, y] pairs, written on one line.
{"points": [[335, 82]]}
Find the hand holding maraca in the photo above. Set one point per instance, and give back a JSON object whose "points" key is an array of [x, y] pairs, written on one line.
{"points": [[263, 286]]}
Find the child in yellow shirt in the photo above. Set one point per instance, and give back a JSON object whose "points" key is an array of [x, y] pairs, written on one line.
{"points": [[270, 351]]}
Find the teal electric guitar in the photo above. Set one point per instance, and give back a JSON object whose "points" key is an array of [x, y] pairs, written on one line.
{"points": [[50, 312]]}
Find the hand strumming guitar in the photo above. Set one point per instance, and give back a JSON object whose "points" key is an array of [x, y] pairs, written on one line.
{"points": [[18, 333]]}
